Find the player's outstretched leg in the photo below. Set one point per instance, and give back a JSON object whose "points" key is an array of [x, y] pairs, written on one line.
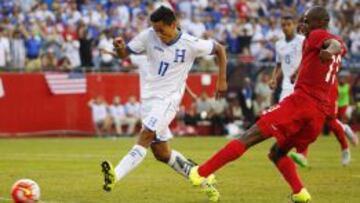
{"points": [[338, 129], [287, 169], [129, 162], [182, 165], [232, 151]]}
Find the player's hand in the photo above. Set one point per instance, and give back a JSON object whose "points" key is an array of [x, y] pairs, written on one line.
{"points": [[221, 88], [272, 84], [119, 43], [325, 56]]}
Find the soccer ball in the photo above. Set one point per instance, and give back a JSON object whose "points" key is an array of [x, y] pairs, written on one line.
{"points": [[25, 191]]}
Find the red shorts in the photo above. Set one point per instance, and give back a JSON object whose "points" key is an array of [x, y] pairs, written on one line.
{"points": [[294, 122], [342, 112]]}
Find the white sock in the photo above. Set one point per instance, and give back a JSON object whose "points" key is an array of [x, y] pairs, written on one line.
{"points": [[135, 156], [179, 163]]}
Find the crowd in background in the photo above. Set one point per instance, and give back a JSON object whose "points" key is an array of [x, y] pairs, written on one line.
{"points": [[118, 118], [68, 35], [62, 35]]}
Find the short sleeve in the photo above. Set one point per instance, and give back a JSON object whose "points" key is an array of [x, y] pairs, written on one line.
{"points": [[138, 44], [317, 38], [203, 47]]}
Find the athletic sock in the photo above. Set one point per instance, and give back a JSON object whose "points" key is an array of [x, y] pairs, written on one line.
{"points": [[179, 163], [288, 170], [134, 157], [233, 150]]}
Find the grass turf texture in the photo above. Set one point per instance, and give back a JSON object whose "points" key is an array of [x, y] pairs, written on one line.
{"points": [[68, 171]]}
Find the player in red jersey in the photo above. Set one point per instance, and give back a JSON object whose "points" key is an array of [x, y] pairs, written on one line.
{"points": [[336, 126], [298, 119]]}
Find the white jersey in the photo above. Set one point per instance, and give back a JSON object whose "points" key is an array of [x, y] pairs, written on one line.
{"points": [[289, 55], [169, 64]]}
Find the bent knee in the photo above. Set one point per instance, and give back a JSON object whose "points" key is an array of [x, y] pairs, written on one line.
{"points": [[162, 156]]}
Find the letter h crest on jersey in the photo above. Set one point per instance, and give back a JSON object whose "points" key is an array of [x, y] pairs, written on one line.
{"points": [[179, 55]]}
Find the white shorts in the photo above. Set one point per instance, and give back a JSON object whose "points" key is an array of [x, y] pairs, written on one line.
{"points": [[157, 114], [285, 93]]}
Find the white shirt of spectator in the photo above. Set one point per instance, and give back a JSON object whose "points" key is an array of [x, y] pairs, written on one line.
{"points": [[133, 109], [71, 50], [289, 55], [106, 44], [99, 112], [117, 111], [169, 63], [4, 51]]}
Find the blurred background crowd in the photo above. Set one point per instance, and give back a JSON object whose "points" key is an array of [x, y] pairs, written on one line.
{"points": [[68, 35]]}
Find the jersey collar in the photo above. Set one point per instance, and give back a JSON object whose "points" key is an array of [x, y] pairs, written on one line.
{"points": [[175, 40]]}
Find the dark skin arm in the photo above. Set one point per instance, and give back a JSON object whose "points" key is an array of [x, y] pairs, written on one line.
{"points": [[120, 48], [331, 47], [275, 76], [221, 85]]}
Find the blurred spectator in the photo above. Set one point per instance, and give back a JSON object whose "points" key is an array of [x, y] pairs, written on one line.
{"points": [[132, 109], [18, 51], [100, 115], [71, 50], [217, 115], [263, 93], [4, 50], [118, 115], [203, 106], [355, 42], [33, 45], [86, 43], [246, 98], [48, 61], [106, 43]]}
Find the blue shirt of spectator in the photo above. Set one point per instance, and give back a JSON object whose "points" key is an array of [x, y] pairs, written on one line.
{"points": [[33, 46]]}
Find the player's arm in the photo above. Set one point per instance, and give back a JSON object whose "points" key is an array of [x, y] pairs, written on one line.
{"points": [[135, 46], [220, 53], [330, 48], [120, 48], [293, 77], [276, 74]]}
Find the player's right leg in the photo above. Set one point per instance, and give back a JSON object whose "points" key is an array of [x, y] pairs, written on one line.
{"points": [[129, 162], [232, 151]]}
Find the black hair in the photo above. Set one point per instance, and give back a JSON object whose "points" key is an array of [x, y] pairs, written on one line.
{"points": [[163, 14], [287, 17]]}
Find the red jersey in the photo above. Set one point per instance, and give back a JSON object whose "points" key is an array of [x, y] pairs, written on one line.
{"points": [[316, 78]]}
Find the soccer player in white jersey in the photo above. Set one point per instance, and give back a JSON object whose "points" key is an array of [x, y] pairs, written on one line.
{"points": [[171, 54], [288, 56]]}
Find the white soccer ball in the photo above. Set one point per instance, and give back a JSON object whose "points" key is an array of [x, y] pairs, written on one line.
{"points": [[25, 191]]}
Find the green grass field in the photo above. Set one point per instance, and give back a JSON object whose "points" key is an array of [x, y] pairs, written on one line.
{"points": [[68, 171]]}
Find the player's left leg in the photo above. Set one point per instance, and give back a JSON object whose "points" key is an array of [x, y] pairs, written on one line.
{"points": [[339, 132], [287, 168], [163, 153], [182, 165]]}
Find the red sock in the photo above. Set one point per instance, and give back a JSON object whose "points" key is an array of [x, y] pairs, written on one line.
{"points": [[288, 170], [233, 150], [339, 132]]}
